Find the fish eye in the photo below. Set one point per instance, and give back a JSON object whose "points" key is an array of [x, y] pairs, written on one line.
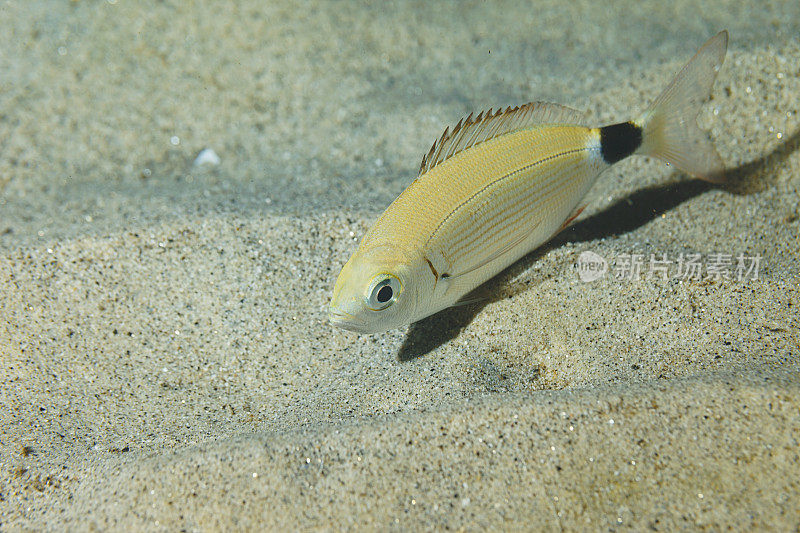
{"points": [[383, 292]]}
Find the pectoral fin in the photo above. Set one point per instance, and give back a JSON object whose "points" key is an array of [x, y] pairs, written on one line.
{"points": [[491, 257]]}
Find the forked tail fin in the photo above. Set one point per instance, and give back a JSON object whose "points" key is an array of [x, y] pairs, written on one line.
{"points": [[669, 127]]}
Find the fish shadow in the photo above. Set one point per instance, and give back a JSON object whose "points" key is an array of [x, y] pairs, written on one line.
{"points": [[625, 215]]}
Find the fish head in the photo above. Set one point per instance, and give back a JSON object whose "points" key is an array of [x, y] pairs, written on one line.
{"points": [[379, 288]]}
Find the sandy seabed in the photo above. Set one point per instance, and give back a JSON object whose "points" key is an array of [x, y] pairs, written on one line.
{"points": [[166, 358]]}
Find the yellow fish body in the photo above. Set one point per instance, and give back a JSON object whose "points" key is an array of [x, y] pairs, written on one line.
{"points": [[501, 184]]}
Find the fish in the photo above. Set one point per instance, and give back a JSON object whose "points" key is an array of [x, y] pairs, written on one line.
{"points": [[502, 183]]}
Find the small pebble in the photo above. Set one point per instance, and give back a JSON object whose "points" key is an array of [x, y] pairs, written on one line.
{"points": [[207, 156]]}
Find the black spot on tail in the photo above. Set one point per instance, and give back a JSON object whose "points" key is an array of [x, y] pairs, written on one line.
{"points": [[618, 141]]}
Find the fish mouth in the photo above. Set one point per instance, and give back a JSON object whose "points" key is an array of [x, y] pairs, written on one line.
{"points": [[344, 320]]}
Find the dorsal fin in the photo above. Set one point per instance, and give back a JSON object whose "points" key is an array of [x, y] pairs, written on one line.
{"points": [[488, 125]]}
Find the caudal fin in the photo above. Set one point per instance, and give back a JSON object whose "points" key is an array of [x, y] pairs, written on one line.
{"points": [[670, 130]]}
